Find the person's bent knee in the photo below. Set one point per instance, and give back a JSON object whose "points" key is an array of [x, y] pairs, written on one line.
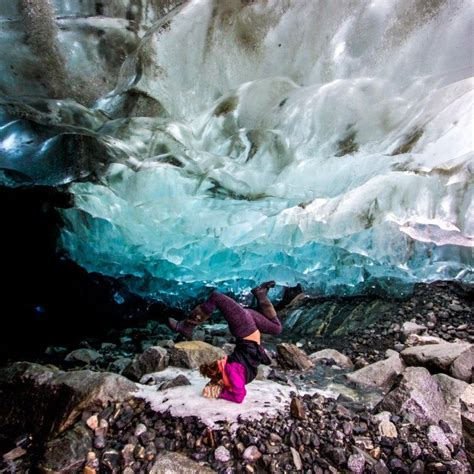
{"points": [[276, 329]]}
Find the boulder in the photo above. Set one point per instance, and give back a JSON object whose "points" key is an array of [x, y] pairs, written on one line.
{"points": [[463, 367], [154, 359], [435, 357], [452, 390], [178, 381], [467, 422], [191, 354], [119, 365], [47, 400], [382, 374], [68, 452], [330, 357], [292, 357], [84, 356], [166, 343], [417, 396], [440, 441], [176, 463], [409, 328]]}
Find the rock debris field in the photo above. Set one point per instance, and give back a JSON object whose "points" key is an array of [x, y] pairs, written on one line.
{"points": [[327, 404]]}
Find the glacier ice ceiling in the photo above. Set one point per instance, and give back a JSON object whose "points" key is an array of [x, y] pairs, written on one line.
{"points": [[224, 142]]}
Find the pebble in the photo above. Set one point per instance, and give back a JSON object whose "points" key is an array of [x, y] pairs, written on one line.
{"points": [[140, 429], [252, 454], [297, 409], [222, 454], [93, 422], [296, 459], [388, 429], [356, 463]]}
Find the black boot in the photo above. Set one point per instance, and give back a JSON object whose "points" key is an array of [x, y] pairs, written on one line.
{"points": [[186, 326]]}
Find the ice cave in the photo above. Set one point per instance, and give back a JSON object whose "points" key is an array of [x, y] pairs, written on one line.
{"points": [[307, 166], [322, 143]]}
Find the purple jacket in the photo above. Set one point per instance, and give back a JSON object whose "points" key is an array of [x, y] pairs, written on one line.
{"points": [[236, 374]]}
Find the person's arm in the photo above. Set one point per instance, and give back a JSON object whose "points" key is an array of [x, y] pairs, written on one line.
{"points": [[236, 373]]}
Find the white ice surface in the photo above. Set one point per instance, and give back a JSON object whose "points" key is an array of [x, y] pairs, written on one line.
{"points": [[263, 397]]}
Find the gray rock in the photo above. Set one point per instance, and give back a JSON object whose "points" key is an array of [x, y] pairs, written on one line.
{"points": [[85, 356], [380, 468], [152, 360], [296, 459], [144, 345], [263, 372], [381, 374], [386, 427], [333, 357], [417, 396], [119, 365], [191, 354], [228, 348], [435, 357], [222, 454], [68, 452], [139, 429], [55, 350], [218, 329], [414, 450], [176, 463], [418, 467], [166, 343], [48, 401], [452, 390], [463, 367], [178, 381], [252, 454], [292, 357], [108, 346], [442, 444], [356, 463], [409, 328], [417, 340], [467, 421]]}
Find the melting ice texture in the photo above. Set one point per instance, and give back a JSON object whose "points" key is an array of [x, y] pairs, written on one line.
{"points": [[322, 143]]}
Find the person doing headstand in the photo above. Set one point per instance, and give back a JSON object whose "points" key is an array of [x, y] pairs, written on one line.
{"points": [[230, 374]]}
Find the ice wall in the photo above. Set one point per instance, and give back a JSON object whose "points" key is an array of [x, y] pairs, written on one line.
{"points": [[325, 143]]}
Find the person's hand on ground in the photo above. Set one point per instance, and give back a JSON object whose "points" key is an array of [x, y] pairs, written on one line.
{"points": [[212, 391]]}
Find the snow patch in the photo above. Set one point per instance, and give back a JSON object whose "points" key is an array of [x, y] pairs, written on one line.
{"points": [[264, 397]]}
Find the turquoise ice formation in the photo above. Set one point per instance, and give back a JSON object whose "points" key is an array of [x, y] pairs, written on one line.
{"points": [[322, 143]]}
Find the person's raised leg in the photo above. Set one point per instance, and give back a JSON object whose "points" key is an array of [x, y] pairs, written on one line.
{"points": [[240, 321], [266, 325], [186, 326]]}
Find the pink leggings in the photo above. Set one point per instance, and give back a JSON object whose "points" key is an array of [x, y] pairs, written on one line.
{"points": [[242, 321]]}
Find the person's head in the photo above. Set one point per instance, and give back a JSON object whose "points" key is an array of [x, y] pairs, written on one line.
{"points": [[211, 371]]}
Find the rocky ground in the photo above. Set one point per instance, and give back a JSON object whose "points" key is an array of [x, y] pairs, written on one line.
{"points": [[398, 396]]}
